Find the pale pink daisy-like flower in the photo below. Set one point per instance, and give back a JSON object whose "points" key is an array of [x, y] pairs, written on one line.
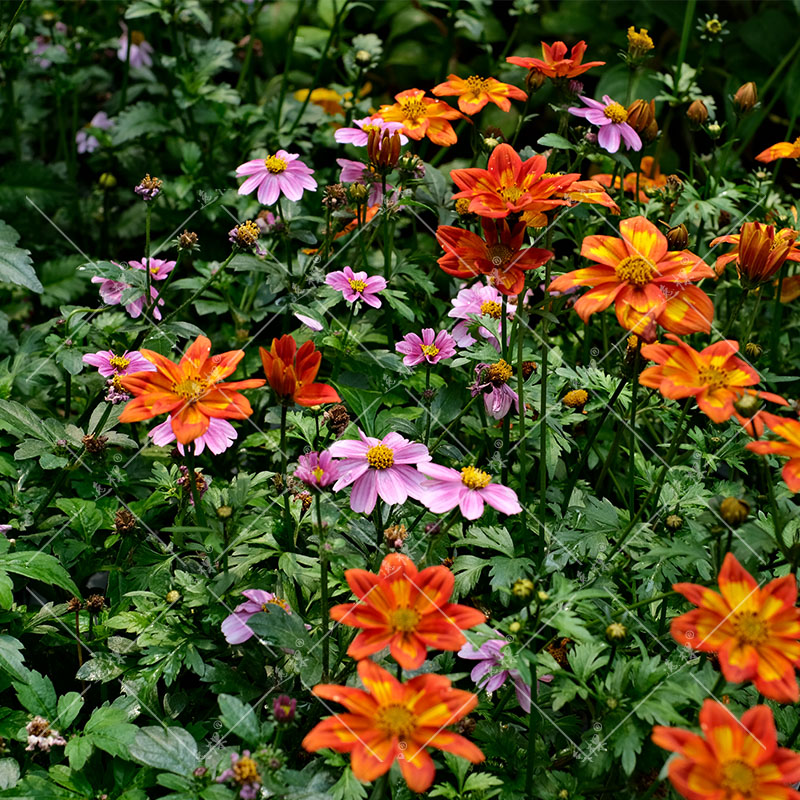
{"points": [[359, 135], [384, 468], [111, 293], [356, 172], [468, 488], [141, 50], [491, 380], [218, 438], [357, 286], [85, 141], [317, 469], [484, 302], [431, 347], [108, 363], [610, 117], [234, 626], [159, 268], [276, 175]]}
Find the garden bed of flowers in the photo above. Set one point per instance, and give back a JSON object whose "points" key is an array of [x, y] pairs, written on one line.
{"points": [[399, 399]]}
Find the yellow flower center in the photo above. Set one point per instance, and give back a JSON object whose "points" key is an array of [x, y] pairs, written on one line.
{"points": [[615, 112], [713, 377], [380, 456], [247, 233], [318, 472], [474, 478], [396, 720], [511, 193], [245, 771], [405, 619], [636, 270], [368, 129], [462, 205], [115, 379], [639, 42], [750, 628], [491, 308], [357, 286], [499, 255], [737, 776], [190, 389], [413, 109], [429, 350], [476, 85], [275, 164], [714, 26], [119, 362], [500, 372], [137, 37], [276, 601], [577, 398]]}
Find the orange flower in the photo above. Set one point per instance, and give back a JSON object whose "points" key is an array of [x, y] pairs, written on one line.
{"points": [[291, 372], [553, 63], [404, 610], [789, 429], [790, 289], [650, 177], [422, 116], [189, 391], [576, 192], [714, 376], [648, 284], [759, 253], [733, 759], [499, 255], [475, 92], [393, 720], [509, 185], [327, 99], [755, 632], [780, 150]]}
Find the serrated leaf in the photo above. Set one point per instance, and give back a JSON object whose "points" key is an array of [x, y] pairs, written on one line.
{"points": [[170, 749], [78, 750], [39, 566], [138, 120], [15, 263], [239, 718]]}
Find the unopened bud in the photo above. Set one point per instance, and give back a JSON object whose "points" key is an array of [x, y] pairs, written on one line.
{"points": [[678, 237], [747, 405], [673, 522], [734, 511], [746, 97], [616, 632], [698, 112], [173, 596]]}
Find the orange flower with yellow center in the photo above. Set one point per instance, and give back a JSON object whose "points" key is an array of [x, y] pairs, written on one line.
{"points": [[789, 430], [422, 116], [759, 253], [405, 610], [190, 391], [394, 721], [648, 284], [733, 759], [475, 92], [754, 631], [555, 64], [650, 179], [780, 150], [715, 376]]}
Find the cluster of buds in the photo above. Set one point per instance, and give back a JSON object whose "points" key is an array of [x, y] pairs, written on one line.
{"points": [[522, 588], [199, 481], [395, 536], [642, 118], [187, 241], [337, 419], [639, 43], [576, 399], [334, 197], [304, 497], [41, 736], [244, 235], [383, 150], [148, 188], [411, 167], [116, 391]]}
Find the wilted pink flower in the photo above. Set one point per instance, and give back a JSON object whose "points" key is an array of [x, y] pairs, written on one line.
{"points": [[359, 135], [431, 347], [250, 785], [41, 736], [356, 172], [309, 322], [111, 293], [317, 469], [86, 143], [281, 173], [492, 381], [283, 707], [159, 269], [384, 468], [109, 364], [484, 302], [610, 117], [357, 286], [218, 438], [234, 626], [468, 488], [141, 50]]}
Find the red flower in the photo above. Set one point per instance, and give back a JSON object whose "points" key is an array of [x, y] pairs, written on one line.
{"points": [[789, 430], [553, 63], [759, 253], [291, 372]]}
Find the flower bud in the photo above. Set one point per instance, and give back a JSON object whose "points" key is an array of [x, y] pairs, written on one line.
{"points": [[747, 405], [746, 97], [639, 42], [673, 522], [106, 181], [642, 118], [173, 596], [383, 149], [698, 112], [148, 188], [187, 240], [523, 587], [515, 627], [576, 399], [224, 512], [678, 237], [357, 193], [283, 707], [714, 130], [753, 350], [534, 80], [616, 632], [734, 511]]}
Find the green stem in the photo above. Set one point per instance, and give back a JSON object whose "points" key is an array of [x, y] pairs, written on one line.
{"points": [[287, 242], [381, 785], [197, 499], [543, 402], [461, 413], [147, 272], [688, 19], [776, 519], [323, 565], [67, 395], [632, 453], [532, 719], [745, 337], [11, 24], [777, 317], [647, 601], [211, 278], [427, 402], [523, 467], [287, 516], [287, 64], [337, 364], [736, 311]]}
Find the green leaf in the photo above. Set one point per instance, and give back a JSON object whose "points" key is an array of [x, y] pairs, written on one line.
{"points": [[102, 668], [6, 591], [467, 570], [111, 731], [39, 566], [9, 773], [69, 706], [21, 421], [37, 695], [138, 120], [556, 141], [170, 749], [78, 750], [11, 660], [15, 263], [239, 718]]}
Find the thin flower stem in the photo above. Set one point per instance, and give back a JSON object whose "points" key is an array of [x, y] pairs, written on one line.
{"points": [[427, 402], [211, 278], [777, 317], [287, 516], [287, 242], [287, 64], [461, 413], [147, 273], [532, 720], [337, 364], [67, 395], [323, 590], [735, 315], [632, 453], [523, 466], [125, 73], [745, 336], [776, 518], [646, 601], [197, 498], [543, 399]]}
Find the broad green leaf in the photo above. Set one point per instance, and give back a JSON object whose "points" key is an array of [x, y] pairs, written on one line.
{"points": [[170, 749], [239, 718], [78, 750], [39, 566], [15, 263]]}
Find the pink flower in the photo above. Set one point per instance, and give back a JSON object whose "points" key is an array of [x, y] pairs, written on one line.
{"points": [[492, 381], [359, 135], [610, 117], [86, 143], [41, 44], [111, 293], [141, 50], [234, 626], [382, 468], [249, 787], [357, 286], [356, 172], [468, 488], [484, 302], [159, 269], [317, 469], [432, 347], [218, 438], [109, 364], [309, 322], [281, 173]]}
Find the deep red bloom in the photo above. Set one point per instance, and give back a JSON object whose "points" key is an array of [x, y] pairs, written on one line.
{"points": [[553, 63], [291, 372]]}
